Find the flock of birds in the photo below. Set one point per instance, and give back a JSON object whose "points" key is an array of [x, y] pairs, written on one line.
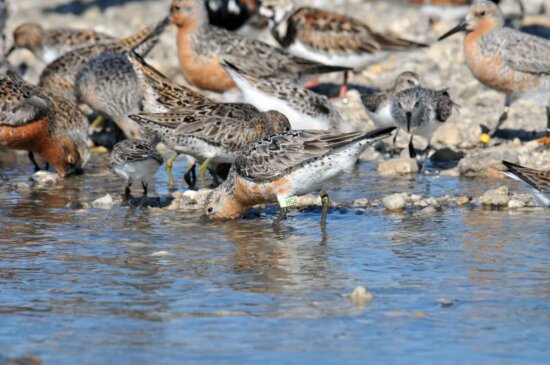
{"points": [[284, 140]]}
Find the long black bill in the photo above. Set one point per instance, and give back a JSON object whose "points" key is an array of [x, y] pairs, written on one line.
{"points": [[459, 28], [6, 55], [409, 116]]}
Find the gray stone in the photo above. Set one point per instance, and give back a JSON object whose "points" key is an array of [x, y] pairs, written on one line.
{"points": [[496, 197], [105, 202], [477, 164], [394, 202], [397, 167], [45, 178]]}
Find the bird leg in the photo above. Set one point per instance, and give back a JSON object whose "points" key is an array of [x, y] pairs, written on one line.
{"points": [[202, 172], [412, 152], [168, 165], [190, 175], [97, 122], [486, 137], [344, 88], [127, 191], [36, 166], [280, 216], [325, 203], [144, 196]]}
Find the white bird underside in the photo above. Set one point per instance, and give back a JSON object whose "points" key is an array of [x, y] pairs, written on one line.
{"points": [[314, 176], [138, 170], [202, 150], [352, 60], [266, 102]]}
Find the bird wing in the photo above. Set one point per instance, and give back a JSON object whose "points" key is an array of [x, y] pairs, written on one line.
{"points": [[328, 31], [526, 53], [20, 103], [259, 58], [540, 180], [275, 155]]}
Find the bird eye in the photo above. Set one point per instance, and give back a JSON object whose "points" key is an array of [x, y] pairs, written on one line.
{"points": [[70, 160], [411, 82], [482, 13], [210, 210]]}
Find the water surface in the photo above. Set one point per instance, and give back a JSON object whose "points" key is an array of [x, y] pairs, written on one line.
{"points": [[95, 285]]}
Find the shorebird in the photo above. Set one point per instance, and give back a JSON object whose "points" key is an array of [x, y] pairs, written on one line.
{"points": [[135, 161], [420, 111], [506, 60], [60, 75], [538, 181], [42, 122], [161, 95], [281, 167], [329, 37], [378, 104], [214, 133], [305, 109], [50, 44], [201, 49]]}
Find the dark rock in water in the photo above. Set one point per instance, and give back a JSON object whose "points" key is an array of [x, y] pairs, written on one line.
{"points": [[447, 155]]}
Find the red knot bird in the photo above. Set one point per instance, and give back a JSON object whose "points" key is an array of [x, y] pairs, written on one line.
{"points": [[44, 123], [283, 166], [201, 49], [514, 63], [212, 133]]}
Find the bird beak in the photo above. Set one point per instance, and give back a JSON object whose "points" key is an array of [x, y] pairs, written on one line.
{"points": [[409, 116], [459, 28], [9, 51]]}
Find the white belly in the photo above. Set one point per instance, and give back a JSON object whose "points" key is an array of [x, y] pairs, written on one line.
{"points": [[382, 117], [264, 102], [137, 171], [352, 60], [315, 175], [202, 150]]}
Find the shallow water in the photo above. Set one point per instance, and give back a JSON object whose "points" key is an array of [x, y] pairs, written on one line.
{"points": [[93, 284]]}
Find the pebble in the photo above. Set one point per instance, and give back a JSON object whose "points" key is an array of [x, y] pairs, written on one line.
{"points": [[105, 202], [496, 197], [394, 202], [361, 202], [21, 186], [45, 178], [444, 302], [161, 254], [463, 200], [398, 166], [515, 204], [360, 295]]}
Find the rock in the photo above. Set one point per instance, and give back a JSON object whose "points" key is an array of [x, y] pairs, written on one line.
{"points": [[444, 302], [308, 200], [478, 164], [463, 200], [426, 211], [105, 202], [360, 296], [456, 135], [394, 202], [45, 178], [76, 205], [361, 202], [496, 197], [399, 166], [21, 186], [446, 154], [161, 254], [515, 204]]}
